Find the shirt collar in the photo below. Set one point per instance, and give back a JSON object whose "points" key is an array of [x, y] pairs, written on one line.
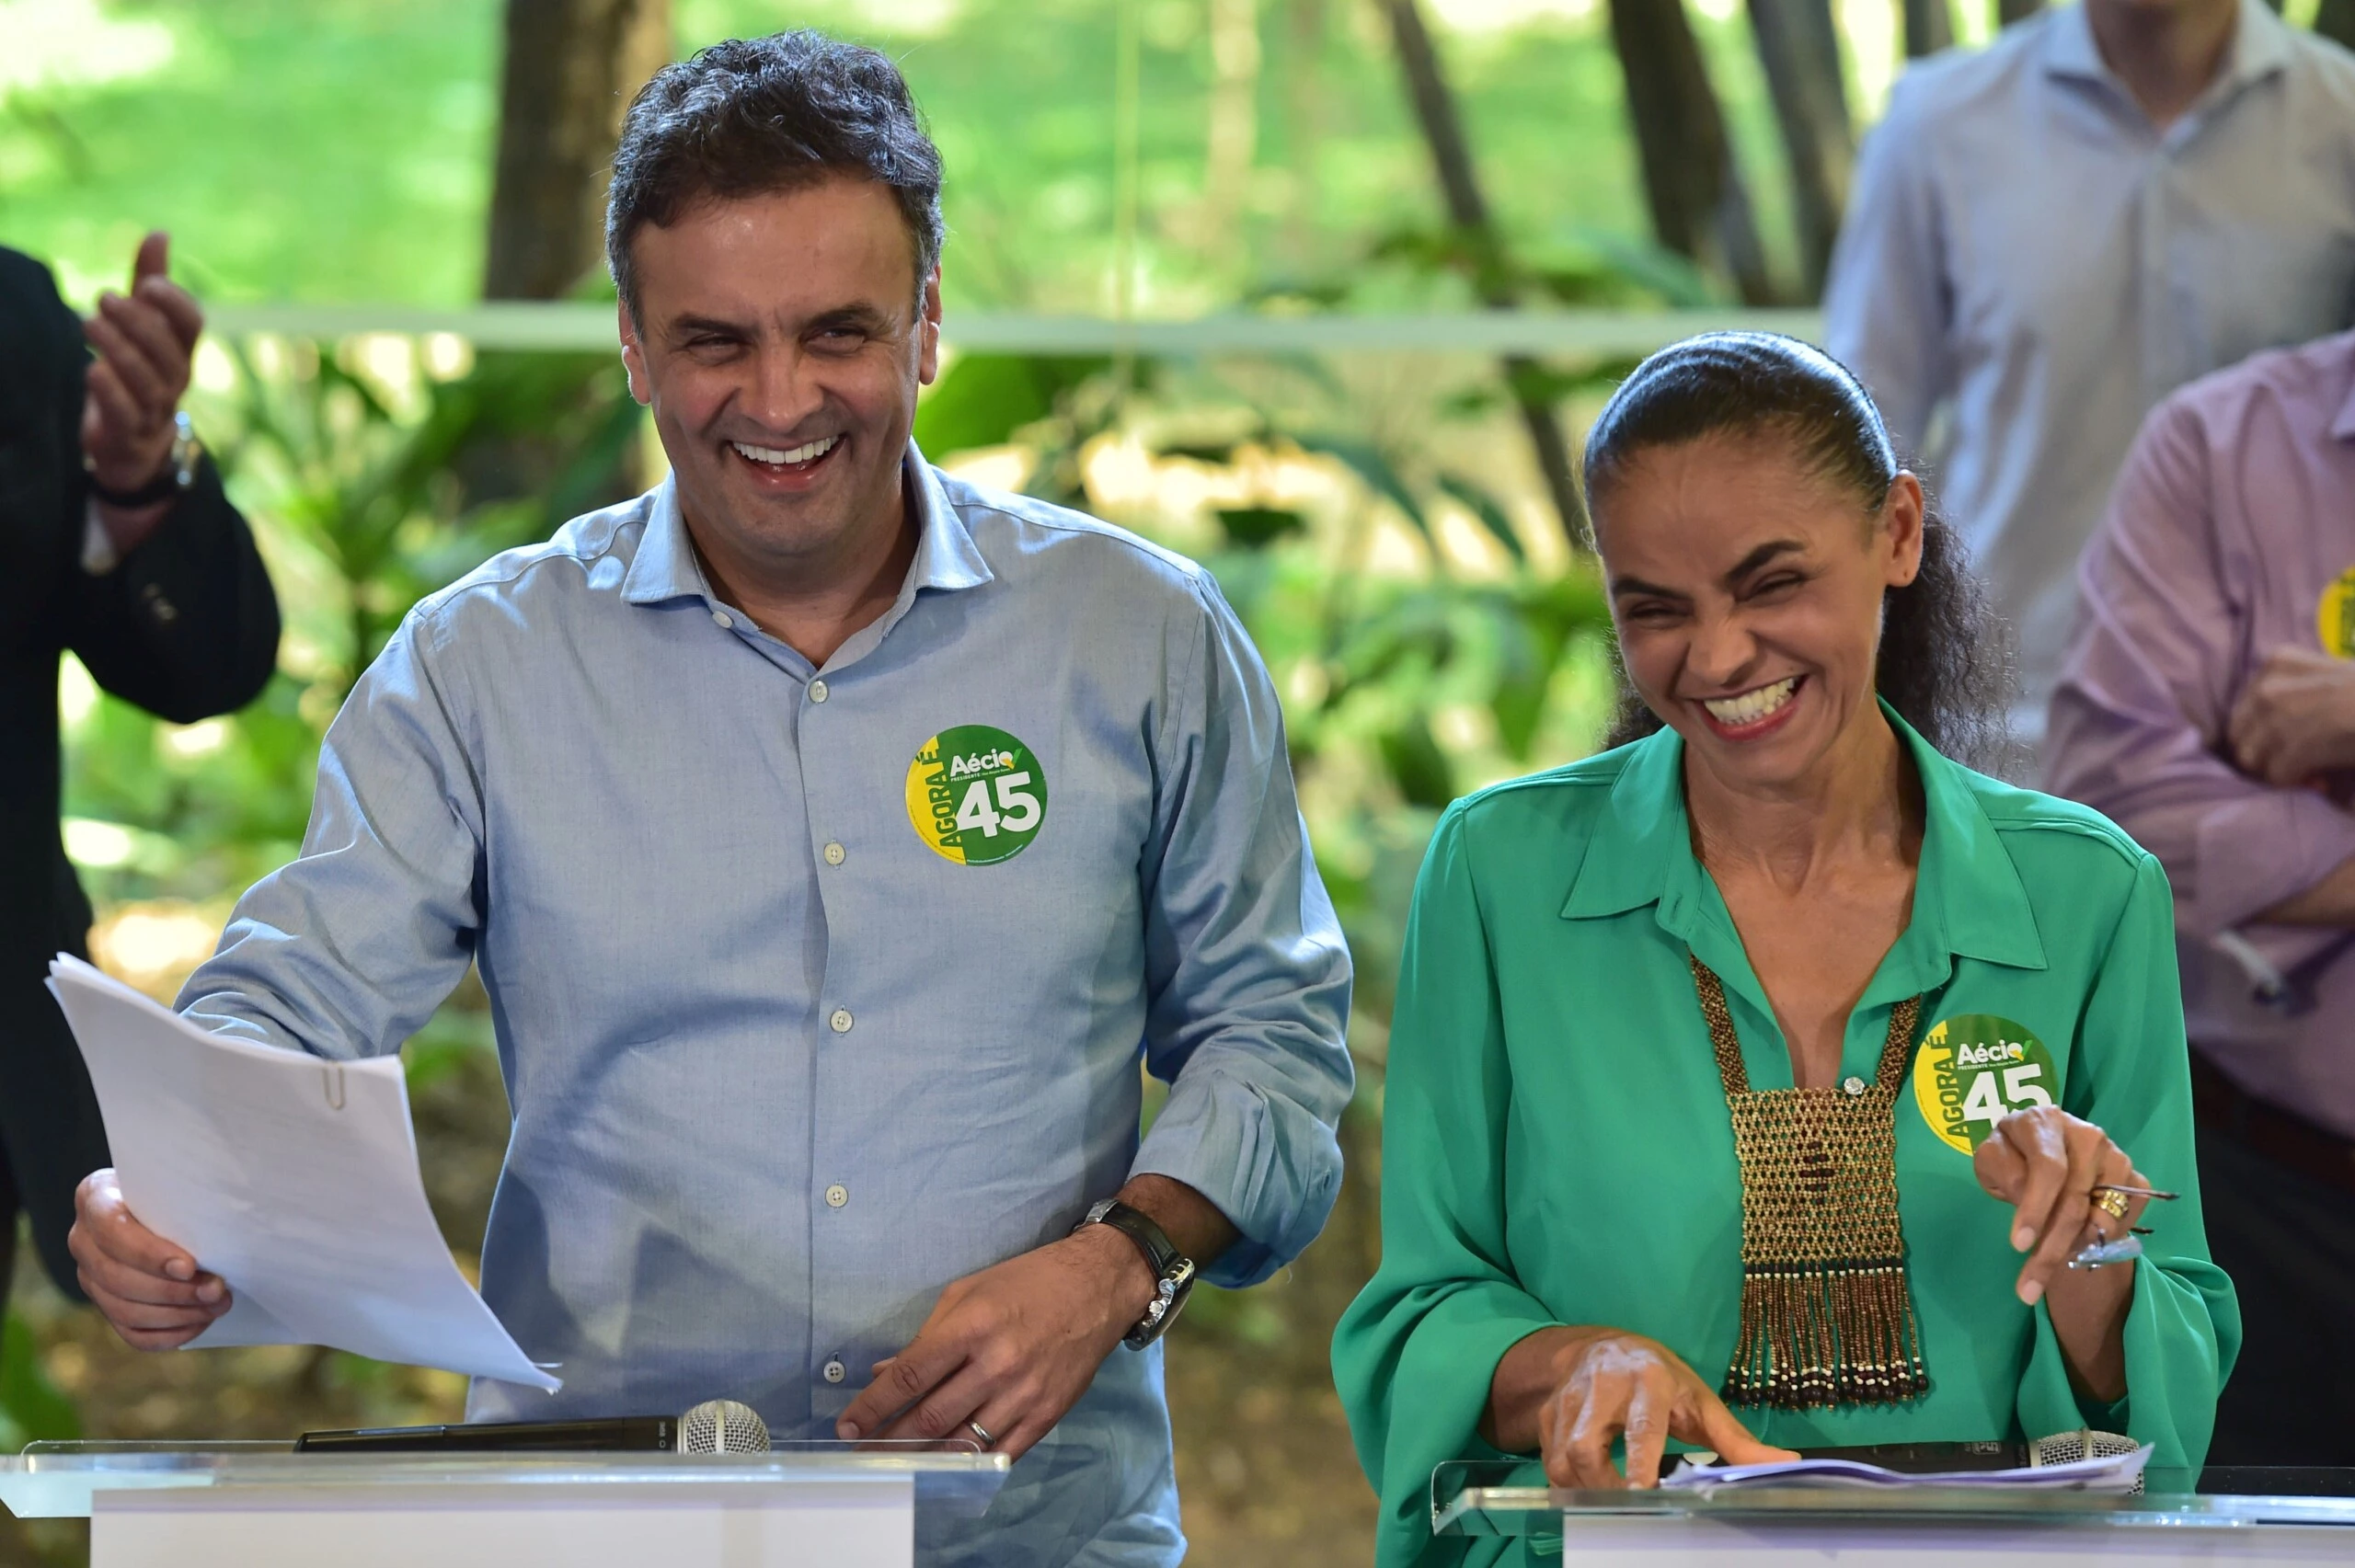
{"points": [[2260, 47], [1968, 901], [946, 559]]}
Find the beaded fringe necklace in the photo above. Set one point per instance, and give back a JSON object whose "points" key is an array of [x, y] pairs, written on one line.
{"points": [[1827, 1316]]}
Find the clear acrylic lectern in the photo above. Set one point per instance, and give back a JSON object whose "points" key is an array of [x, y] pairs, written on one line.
{"points": [[263, 1505], [2223, 1518]]}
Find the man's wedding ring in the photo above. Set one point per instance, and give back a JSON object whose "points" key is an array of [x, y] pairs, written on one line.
{"points": [[983, 1434]]}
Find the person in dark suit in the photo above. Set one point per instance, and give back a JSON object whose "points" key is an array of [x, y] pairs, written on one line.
{"points": [[116, 541]]}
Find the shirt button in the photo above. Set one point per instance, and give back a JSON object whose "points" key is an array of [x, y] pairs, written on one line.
{"points": [[721, 618], [834, 1371], [817, 690], [841, 1021], [1854, 1087], [837, 1196], [833, 854]]}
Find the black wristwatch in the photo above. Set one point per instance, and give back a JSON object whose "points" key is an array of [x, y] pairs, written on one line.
{"points": [[1172, 1268], [178, 475]]}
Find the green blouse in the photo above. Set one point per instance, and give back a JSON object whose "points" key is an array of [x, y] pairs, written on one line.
{"points": [[1556, 1147]]}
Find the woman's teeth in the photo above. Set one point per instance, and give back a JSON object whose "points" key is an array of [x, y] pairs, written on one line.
{"points": [[1751, 706], [810, 453]]}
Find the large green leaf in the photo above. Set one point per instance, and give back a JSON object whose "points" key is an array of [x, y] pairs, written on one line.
{"points": [[983, 399]]}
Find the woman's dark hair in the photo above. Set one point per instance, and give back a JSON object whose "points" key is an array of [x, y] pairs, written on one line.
{"points": [[1944, 661], [755, 115]]}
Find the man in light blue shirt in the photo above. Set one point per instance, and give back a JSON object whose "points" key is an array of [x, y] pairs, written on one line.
{"points": [[2047, 236], [833, 839]]}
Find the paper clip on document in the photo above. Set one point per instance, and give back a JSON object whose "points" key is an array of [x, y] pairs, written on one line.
{"points": [[2126, 1248]]}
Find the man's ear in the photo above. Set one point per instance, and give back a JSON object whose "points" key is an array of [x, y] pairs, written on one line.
{"points": [[641, 384], [1903, 517], [928, 331]]}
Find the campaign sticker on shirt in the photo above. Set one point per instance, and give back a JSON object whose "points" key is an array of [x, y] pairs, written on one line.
{"points": [[2335, 616], [1973, 1069], [976, 794]]}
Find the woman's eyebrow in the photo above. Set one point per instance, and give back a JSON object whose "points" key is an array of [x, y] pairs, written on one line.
{"points": [[1760, 556], [1621, 586]]}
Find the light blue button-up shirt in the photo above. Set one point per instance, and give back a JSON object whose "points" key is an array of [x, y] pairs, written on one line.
{"points": [[781, 1069], [2024, 246]]}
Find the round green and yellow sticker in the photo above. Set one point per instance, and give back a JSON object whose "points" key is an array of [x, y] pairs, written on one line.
{"points": [[2335, 616], [976, 794], [1973, 1070]]}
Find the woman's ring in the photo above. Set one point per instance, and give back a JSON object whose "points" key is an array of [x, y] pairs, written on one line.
{"points": [[2110, 1201], [983, 1434]]}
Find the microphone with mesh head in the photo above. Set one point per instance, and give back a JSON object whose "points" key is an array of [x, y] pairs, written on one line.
{"points": [[715, 1426], [723, 1426]]}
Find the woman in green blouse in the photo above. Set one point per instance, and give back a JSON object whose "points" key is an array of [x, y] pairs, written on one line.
{"points": [[1751, 1085]]}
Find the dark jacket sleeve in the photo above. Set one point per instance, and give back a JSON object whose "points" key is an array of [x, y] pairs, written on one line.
{"points": [[186, 626]]}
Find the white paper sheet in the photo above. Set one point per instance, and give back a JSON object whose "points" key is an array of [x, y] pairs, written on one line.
{"points": [[2115, 1473], [293, 1179]]}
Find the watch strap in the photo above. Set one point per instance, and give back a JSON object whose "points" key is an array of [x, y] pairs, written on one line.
{"points": [[177, 478], [1173, 1270], [1161, 1254]]}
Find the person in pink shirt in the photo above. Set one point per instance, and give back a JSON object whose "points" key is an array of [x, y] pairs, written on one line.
{"points": [[2207, 704]]}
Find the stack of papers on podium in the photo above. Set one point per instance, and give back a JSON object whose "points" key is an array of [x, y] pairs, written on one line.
{"points": [[2115, 1473], [293, 1178]]}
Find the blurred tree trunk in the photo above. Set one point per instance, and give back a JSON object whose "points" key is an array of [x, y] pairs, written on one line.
{"points": [[2335, 20], [2010, 11], [1699, 205], [571, 67], [1800, 47], [1233, 130], [1929, 27], [1468, 211], [1302, 75]]}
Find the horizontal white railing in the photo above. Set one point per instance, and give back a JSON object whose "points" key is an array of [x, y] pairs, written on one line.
{"points": [[1586, 333]]}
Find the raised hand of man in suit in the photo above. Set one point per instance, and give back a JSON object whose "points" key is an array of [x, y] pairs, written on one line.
{"points": [[145, 341]]}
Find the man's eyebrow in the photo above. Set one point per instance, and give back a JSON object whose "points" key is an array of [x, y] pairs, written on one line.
{"points": [[680, 327], [865, 318]]}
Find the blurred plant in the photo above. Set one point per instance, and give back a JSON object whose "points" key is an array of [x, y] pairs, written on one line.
{"points": [[371, 483], [32, 1410]]}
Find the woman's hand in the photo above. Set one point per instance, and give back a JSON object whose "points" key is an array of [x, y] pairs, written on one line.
{"points": [[2046, 1164], [1593, 1384]]}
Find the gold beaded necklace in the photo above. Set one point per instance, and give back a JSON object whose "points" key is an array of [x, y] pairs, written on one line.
{"points": [[1827, 1315]]}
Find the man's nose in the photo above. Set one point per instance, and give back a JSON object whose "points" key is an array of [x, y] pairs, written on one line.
{"points": [[783, 393]]}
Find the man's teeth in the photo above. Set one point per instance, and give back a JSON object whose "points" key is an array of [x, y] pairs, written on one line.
{"points": [[810, 453], [1751, 706]]}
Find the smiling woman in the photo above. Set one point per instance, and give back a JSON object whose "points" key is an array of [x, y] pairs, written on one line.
{"points": [[1942, 655], [1711, 1052]]}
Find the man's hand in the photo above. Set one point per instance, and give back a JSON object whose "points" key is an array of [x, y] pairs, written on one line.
{"points": [[1011, 1348], [145, 340], [149, 1289], [2295, 721]]}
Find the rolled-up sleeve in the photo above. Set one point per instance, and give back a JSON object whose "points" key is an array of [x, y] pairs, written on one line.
{"points": [[1413, 1354], [2139, 719], [1245, 965], [347, 950], [2132, 1079], [1887, 305]]}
